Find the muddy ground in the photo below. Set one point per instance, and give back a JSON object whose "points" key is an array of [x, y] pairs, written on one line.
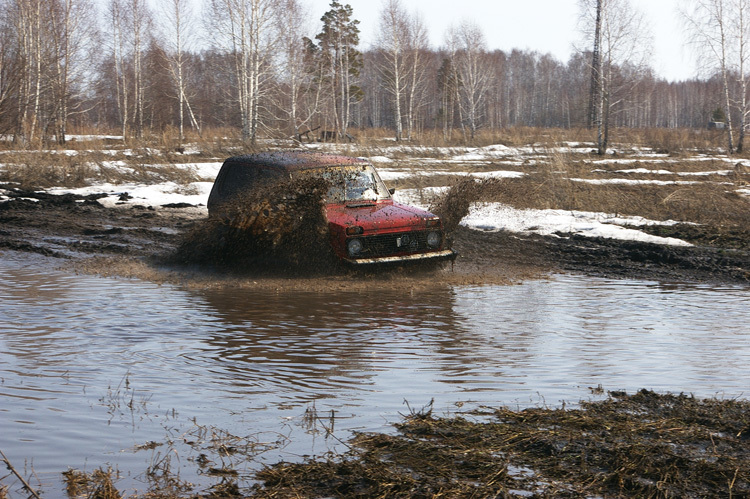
{"points": [[141, 242]]}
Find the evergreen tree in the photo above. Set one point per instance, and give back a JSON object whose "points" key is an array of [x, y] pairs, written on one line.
{"points": [[341, 62]]}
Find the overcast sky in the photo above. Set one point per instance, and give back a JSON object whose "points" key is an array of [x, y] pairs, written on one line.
{"points": [[547, 26]]}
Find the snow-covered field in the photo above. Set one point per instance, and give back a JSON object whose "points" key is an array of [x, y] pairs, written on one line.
{"points": [[416, 163]]}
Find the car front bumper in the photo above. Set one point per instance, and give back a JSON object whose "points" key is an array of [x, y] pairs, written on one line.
{"points": [[434, 255]]}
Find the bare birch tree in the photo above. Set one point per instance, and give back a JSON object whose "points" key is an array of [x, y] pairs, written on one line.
{"points": [[73, 33], [9, 73], [301, 93], [452, 82], [139, 17], [596, 69], [469, 53], [393, 44], [245, 28], [709, 25], [417, 59], [741, 29], [178, 24], [28, 28], [117, 18], [623, 39]]}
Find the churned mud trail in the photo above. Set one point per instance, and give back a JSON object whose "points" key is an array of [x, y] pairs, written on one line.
{"points": [[142, 242]]}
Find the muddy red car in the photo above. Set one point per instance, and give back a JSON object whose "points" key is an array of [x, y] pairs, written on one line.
{"points": [[366, 226]]}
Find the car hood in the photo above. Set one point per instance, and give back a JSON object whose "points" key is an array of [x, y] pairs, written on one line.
{"points": [[375, 216]]}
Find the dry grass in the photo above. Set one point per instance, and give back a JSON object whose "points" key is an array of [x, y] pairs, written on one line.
{"points": [[33, 170], [222, 140], [515, 136], [644, 445], [45, 170], [705, 203], [641, 445], [663, 140], [97, 485]]}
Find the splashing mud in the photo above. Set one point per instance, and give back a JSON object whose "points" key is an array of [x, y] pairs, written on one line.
{"points": [[454, 205], [282, 224]]}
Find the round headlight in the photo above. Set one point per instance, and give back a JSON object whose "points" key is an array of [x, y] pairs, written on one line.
{"points": [[354, 246], [433, 239]]}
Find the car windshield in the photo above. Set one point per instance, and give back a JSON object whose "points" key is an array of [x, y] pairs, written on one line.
{"points": [[352, 183]]}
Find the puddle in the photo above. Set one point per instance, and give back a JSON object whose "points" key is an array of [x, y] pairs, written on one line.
{"points": [[91, 368]]}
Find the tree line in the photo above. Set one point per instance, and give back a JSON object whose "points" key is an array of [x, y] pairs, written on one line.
{"points": [[260, 67]]}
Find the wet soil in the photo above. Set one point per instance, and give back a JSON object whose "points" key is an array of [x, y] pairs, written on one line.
{"points": [[641, 445], [142, 241]]}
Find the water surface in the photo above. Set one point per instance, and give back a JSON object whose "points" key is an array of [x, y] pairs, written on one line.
{"points": [[91, 368]]}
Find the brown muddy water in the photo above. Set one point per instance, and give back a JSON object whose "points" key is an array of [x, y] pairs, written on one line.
{"points": [[93, 369]]}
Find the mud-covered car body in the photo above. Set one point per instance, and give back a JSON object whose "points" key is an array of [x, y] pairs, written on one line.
{"points": [[366, 226]]}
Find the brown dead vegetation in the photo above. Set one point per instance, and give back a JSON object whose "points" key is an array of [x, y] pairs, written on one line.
{"points": [[100, 484], [44, 170], [642, 445], [706, 203]]}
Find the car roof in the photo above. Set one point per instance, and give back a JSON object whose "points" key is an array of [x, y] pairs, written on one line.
{"points": [[294, 160]]}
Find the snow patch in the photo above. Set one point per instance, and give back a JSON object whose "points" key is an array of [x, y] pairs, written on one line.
{"points": [[153, 195], [498, 216], [628, 181]]}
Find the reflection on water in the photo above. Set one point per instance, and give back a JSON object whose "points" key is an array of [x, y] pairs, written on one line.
{"points": [[304, 346], [254, 360]]}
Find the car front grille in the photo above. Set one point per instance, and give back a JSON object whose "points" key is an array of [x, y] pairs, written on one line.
{"points": [[392, 244]]}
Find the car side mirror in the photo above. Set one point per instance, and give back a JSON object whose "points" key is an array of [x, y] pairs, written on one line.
{"points": [[392, 191]]}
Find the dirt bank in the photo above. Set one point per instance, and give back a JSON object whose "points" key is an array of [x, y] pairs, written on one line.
{"points": [[137, 241]]}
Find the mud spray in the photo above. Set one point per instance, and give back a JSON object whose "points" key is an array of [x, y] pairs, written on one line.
{"points": [[283, 226], [454, 205], [277, 226]]}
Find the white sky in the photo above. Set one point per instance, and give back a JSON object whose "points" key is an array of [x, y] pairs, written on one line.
{"points": [[547, 26]]}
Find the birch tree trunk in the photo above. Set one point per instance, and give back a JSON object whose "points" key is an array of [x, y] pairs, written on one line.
{"points": [[741, 29], [138, 20], [418, 47], [179, 25], [117, 17], [622, 40], [473, 73], [392, 44], [245, 27], [292, 27], [709, 24]]}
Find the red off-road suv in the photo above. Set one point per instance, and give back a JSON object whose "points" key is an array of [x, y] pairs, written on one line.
{"points": [[366, 225]]}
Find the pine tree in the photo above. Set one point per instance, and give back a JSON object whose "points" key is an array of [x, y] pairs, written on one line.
{"points": [[341, 62]]}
